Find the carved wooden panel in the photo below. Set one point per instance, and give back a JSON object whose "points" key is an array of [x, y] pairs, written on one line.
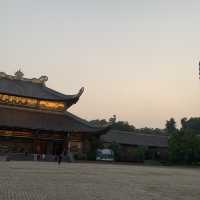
{"points": [[31, 102]]}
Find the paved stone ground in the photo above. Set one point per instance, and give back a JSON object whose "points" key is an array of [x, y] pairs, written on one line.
{"points": [[48, 181]]}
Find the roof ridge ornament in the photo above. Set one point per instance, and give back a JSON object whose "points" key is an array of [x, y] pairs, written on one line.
{"points": [[41, 80], [19, 75]]}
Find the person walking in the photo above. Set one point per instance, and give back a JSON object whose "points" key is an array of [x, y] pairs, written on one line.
{"points": [[59, 159]]}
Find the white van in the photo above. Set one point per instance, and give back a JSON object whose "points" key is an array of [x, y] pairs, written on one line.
{"points": [[105, 154]]}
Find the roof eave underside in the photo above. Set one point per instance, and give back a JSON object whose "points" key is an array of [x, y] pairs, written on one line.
{"points": [[45, 121]]}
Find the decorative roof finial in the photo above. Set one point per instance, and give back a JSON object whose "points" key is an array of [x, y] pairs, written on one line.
{"points": [[19, 75]]}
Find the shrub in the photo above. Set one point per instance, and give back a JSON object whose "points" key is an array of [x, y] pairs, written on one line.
{"points": [[140, 154], [91, 155], [80, 156], [117, 150], [136, 154]]}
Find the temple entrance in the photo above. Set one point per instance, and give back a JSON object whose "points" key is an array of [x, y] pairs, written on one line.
{"points": [[49, 147]]}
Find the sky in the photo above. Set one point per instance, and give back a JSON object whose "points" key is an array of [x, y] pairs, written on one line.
{"points": [[137, 59]]}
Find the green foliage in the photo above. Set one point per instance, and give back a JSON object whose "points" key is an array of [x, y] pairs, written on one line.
{"points": [[184, 147], [117, 150], [98, 122], [184, 123], [147, 130], [171, 126], [139, 154], [125, 126], [192, 124], [91, 155], [117, 125], [113, 119], [80, 156], [95, 143], [133, 154]]}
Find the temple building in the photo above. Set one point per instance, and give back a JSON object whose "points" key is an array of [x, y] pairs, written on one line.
{"points": [[34, 118]]}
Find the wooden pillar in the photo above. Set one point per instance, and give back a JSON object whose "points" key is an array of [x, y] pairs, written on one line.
{"points": [[68, 143], [85, 144], [35, 142], [65, 143]]}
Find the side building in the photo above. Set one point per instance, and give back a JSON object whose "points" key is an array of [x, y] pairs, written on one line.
{"points": [[132, 145], [34, 119]]}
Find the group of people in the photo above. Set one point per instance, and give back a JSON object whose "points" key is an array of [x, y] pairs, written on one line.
{"points": [[58, 157]]}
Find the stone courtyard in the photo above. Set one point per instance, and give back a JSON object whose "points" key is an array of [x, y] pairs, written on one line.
{"points": [[73, 181]]}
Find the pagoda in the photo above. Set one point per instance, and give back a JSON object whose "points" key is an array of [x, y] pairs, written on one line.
{"points": [[34, 118]]}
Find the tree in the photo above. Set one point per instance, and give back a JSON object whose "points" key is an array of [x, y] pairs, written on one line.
{"points": [[98, 122], [184, 123], [113, 119], [192, 124], [123, 126], [147, 130], [117, 125], [184, 147], [117, 150], [171, 126], [95, 144]]}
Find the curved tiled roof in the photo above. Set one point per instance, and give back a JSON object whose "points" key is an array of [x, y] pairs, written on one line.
{"points": [[131, 138], [13, 117], [35, 90]]}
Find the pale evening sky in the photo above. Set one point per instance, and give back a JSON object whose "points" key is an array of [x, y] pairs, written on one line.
{"points": [[137, 59]]}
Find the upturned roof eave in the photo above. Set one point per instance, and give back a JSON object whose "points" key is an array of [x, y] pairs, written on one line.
{"points": [[65, 98], [48, 121]]}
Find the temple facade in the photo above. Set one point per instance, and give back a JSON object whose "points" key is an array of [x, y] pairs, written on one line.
{"points": [[34, 118]]}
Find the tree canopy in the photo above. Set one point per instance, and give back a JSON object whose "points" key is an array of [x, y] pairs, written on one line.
{"points": [[125, 126], [192, 124], [184, 147], [170, 126], [116, 125], [184, 144]]}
